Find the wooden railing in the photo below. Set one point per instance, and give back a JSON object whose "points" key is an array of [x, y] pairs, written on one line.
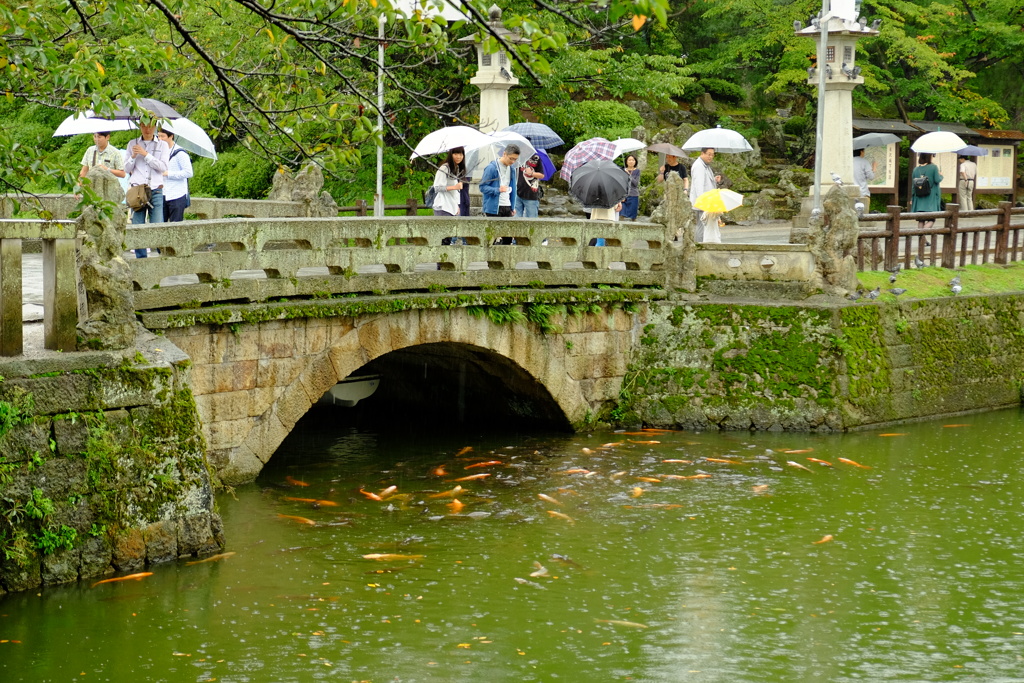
{"points": [[256, 260], [998, 237], [60, 284]]}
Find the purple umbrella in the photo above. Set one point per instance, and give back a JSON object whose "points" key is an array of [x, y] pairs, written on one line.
{"points": [[546, 165], [588, 150]]}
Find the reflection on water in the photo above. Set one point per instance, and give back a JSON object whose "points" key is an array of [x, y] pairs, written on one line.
{"points": [[630, 567]]}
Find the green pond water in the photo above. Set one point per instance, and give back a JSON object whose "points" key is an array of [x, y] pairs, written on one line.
{"points": [[910, 570]]}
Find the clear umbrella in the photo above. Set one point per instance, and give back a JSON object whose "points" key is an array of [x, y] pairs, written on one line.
{"points": [[191, 137], [79, 124], [624, 145], [485, 154], [721, 139]]}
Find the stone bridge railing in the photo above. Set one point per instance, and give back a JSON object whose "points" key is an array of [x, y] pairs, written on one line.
{"points": [[247, 260]]}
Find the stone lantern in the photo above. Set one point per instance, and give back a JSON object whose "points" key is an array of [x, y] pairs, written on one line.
{"points": [[494, 74], [843, 26]]}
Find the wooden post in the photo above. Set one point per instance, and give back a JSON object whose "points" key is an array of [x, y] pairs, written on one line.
{"points": [[11, 339], [60, 295], [892, 244], [361, 207], [949, 239], [412, 206], [1003, 234]]}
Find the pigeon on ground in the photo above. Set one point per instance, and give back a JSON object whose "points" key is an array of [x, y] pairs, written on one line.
{"points": [[854, 296], [956, 289], [897, 291], [892, 278], [918, 263], [873, 294], [954, 281]]}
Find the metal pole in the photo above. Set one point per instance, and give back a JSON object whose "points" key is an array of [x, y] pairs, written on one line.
{"points": [[819, 134], [378, 198]]}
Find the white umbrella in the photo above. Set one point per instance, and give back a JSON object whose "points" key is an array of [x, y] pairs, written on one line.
{"points": [[499, 140], [191, 137], [721, 139], [440, 141], [624, 145], [78, 124], [938, 142]]}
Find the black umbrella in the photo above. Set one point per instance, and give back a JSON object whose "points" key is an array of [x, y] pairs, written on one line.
{"points": [[599, 184]]}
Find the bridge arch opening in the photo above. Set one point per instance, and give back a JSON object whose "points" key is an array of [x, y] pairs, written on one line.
{"points": [[449, 384]]}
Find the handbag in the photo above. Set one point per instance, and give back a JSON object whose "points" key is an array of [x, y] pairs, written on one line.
{"points": [[429, 195], [139, 197]]}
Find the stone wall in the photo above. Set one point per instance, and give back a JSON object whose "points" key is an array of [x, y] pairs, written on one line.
{"points": [[102, 466], [823, 368]]}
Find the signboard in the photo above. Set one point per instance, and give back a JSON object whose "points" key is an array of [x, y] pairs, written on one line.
{"points": [[995, 171], [886, 164], [947, 169]]}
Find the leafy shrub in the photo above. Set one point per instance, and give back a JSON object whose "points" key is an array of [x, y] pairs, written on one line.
{"points": [[796, 125], [578, 121], [723, 90], [237, 173]]}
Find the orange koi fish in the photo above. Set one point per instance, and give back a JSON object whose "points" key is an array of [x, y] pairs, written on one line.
{"points": [[615, 475], [759, 488], [726, 461], [855, 464], [549, 499], [212, 558], [612, 444], [463, 451], [649, 479], [826, 463], [301, 520], [474, 477], [576, 470], [370, 495], [295, 482], [560, 515], [796, 465], [541, 570], [824, 539], [389, 557], [447, 494], [664, 506], [894, 434], [586, 451], [439, 471], [643, 443], [131, 577], [954, 426], [684, 462], [324, 503], [793, 451], [632, 433], [389, 491], [483, 464], [659, 430], [692, 476], [455, 505], [637, 492]]}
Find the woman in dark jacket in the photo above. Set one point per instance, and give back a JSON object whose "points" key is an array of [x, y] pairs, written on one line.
{"points": [[933, 200]]}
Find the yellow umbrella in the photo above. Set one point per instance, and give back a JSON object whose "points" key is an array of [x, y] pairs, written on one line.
{"points": [[718, 201]]}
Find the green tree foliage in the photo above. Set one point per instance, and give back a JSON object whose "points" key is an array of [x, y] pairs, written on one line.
{"points": [[578, 121]]}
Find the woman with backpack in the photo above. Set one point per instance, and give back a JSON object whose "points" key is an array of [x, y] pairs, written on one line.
{"points": [[926, 195]]}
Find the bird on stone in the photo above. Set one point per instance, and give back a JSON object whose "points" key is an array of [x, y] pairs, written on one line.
{"points": [[505, 74], [918, 263], [873, 294], [798, 25], [875, 24], [956, 289], [828, 71], [847, 71], [896, 291], [836, 179], [811, 72]]}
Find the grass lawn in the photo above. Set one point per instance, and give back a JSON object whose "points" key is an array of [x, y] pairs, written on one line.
{"points": [[930, 283]]}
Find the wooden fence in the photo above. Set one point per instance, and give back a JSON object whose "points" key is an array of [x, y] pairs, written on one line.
{"points": [[948, 243]]}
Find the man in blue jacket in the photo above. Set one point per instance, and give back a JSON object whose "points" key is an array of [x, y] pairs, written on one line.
{"points": [[498, 185]]}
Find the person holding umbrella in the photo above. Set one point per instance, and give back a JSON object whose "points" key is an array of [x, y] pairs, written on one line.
{"points": [[448, 183], [102, 155], [703, 179], [927, 195], [179, 170], [528, 189], [965, 185], [145, 161], [863, 173]]}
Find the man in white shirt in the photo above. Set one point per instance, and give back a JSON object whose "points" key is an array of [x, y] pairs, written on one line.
{"points": [[145, 161], [965, 185], [704, 179]]}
